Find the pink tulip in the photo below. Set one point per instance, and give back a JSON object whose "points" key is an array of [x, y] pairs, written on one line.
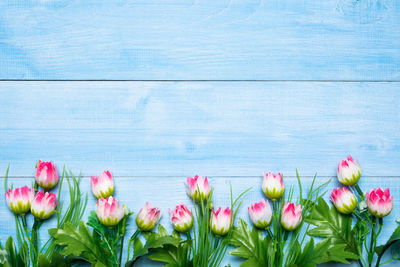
{"points": [[348, 172], [181, 218], [221, 221], [46, 174], [379, 202], [19, 199], [261, 214], [291, 216], [109, 212], [43, 205], [273, 186], [148, 217], [198, 188], [344, 200], [103, 185]]}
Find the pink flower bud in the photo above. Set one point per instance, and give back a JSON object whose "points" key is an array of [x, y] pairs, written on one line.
{"points": [[19, 199], [181, 218], [109, 212], [198, 188], [273, 186], [148, 217], [46, 174], [221, 221], [43, 205], [291, 216], [348, 171], [103, 185], [379, 202], [261, 214], [344, 200]]}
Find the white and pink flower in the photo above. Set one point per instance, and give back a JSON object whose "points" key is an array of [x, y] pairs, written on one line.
{"points": [[103, 185], [148, 217], [261, 214], [181, 218], [19, 199], [291, 216], [221, 221], [344, 200], [43, 205], [199, 188], [109, 211], [273, 186], [348, 172], [46, 174], [379, 202]]}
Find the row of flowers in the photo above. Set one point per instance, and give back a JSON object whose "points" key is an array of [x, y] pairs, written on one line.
{"points": [[280, 222]]}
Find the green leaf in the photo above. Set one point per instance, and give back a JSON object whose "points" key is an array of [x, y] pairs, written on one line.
{"points": [[80, 243], [250, 245], [335, 227], [393, 239]]}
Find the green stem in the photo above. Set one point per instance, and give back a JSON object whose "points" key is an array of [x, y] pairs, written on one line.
{"points": [[132, 239], [359, 191], [35, 241], [122, 240], [372, 242]]}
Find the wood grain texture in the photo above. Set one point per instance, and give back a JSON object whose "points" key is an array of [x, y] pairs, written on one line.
{"points": [[216, 128], [200, 39], [166, 193]]}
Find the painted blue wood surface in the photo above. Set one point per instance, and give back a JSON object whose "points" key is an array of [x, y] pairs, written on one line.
{"points": [[200, 39], [217, 128], [168, 192]]}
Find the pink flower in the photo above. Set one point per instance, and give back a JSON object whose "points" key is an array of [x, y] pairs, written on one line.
{"points": [[291, 216], [102, 186], [379, 202], [348, 171], [273, 186], [221, 221], [344, 200], [181, 218], [148, 217], [261, 214], [46, 174], [19, 199], [43, 205], [109, 212], [198, 188]]}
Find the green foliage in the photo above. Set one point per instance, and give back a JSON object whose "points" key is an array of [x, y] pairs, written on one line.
{"points": [[337, 229], [11, 257], [394, 238], [166, 248], [80, 242]]}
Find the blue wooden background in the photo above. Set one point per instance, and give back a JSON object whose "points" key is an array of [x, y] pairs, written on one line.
{"points": [[159, 90]]}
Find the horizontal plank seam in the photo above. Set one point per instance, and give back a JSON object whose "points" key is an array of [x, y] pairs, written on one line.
{"points": [[94, 80]]}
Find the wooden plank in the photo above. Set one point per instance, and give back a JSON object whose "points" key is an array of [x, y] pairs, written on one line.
{"points": [[166, 192], [186, 40], [216, 128]]}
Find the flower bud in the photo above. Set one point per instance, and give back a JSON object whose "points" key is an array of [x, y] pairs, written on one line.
{"points": [[148, 217], [43, 205], [379, 202], [46, 175], [261, 214], [348, 171], [221, 221], [109, 212], [344, 200], [181, 218], [103, 185], [291, 216], [19, 199], [273, 186], [198, 188]]}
